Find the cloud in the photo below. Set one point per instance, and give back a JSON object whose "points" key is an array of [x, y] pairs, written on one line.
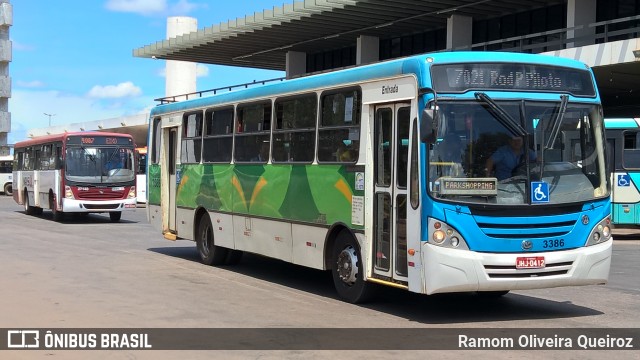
{"points": [[202, 70], [29, 84], [69, 108], [184, 7], [125, 89], [143, 7], [21, 47], [153, 7]]}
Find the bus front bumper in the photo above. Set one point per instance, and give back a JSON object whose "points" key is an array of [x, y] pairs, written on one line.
{"points": [[85, 206], [453, 270]]}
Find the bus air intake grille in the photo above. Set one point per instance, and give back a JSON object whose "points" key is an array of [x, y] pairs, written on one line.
{"points": [[101, 206], [106, 195], [510, 271], [529, 228]]}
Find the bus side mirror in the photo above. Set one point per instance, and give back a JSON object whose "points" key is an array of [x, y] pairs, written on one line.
{"points": [[428, 125]]}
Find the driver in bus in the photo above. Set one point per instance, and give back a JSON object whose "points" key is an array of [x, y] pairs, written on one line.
{"points": [[507, 159]]}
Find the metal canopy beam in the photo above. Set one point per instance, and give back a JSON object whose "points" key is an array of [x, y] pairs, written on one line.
{"points": [[261, 39]]}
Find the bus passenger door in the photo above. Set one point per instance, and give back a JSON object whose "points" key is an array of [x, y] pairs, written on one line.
{"points": [[390, 148], [169, 179]]}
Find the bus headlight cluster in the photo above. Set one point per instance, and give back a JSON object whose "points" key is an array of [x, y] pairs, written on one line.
{"points": [[441, 234], [132, 192], [68, 193], [600, 233]]}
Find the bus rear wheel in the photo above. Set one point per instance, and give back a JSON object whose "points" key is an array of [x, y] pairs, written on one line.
{"points": [[210, 254], [8, 189], [348, 272], [28, 209]]}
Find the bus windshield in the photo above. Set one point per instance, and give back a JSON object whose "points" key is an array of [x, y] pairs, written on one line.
{"points": [[100, 165], [479, 155]]}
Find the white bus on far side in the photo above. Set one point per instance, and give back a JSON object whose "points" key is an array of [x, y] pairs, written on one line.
{"points": [[6, 176]]}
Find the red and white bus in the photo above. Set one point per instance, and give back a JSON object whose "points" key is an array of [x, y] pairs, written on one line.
{"points": [[84, 172]]}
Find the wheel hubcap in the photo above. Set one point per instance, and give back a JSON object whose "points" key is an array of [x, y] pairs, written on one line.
{"points": [[347, 265]]}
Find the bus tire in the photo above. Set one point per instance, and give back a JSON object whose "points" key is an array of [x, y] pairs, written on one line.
{"points": [[115, 216], [28, 209], [348, 271], [233, 257], [210, 254], [57, 215], [8, 189]]}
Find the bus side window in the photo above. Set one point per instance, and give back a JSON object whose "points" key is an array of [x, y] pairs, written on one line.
{"points": [[191, 138], [218, 135], [155, 141], [631, 150], [294, 132], [58, 155], [339, 130], [251, 143]]}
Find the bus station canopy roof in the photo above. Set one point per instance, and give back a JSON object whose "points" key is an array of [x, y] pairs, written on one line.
{"points": [[261, 40]]}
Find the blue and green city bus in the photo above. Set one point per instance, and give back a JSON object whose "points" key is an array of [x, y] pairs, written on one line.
{"points": [[623, 138], [348, 171]]}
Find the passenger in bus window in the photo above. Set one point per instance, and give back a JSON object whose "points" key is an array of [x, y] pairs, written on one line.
{"points": [[450, 149], [263, 155], [508, 159], [345, 153], [449, 155]]}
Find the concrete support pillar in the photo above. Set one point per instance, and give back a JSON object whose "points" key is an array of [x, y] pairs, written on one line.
{"points": [[459, 31], [367, 50], [581, 12], [296, 64], [6, 21], [180, 75]]}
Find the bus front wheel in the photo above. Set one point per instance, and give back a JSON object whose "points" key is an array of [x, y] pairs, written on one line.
{"points": [[348, 272], [57, 215], [210, 254], [115, 216]]}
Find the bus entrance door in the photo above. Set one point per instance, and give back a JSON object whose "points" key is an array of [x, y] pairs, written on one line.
{"points": [[170, 177], [391, 136]]}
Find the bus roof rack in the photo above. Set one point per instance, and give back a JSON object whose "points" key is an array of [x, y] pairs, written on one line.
{"points": [[174, 98]]}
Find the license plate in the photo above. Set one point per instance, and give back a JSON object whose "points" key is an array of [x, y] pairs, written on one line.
{"points": [[531, 262]]}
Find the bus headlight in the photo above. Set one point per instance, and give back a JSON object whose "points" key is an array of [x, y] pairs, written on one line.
{"points": [[442, 234], [132, 192], [68, 193], [600, 233], [438, 236]]}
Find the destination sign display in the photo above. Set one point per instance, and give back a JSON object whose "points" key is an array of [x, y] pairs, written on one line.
{"points": [[468, 186], [516, 77], [98, 140]]}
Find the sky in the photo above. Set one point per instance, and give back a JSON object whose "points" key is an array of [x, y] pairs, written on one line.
{"points": [[74, 60]]}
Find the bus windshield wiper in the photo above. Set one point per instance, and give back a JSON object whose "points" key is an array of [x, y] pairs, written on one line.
{"points": [[557, 121], [116, 151], [502, 116]]}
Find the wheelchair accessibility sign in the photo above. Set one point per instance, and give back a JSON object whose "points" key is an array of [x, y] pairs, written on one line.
{"points": [[539, 192], [624, 180]]}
